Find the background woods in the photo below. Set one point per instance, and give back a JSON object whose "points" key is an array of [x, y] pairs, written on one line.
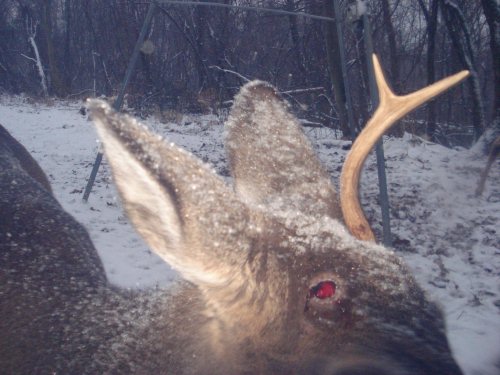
{"points": [[72, 48]]}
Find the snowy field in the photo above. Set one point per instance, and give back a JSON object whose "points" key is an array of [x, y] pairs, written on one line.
{"points": [[449, 237]]}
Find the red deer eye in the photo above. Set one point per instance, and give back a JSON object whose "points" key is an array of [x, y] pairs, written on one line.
{"points": [[323, 290]]}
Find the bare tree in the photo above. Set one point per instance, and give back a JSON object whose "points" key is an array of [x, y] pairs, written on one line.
{"points": [[31, 30], [491, 10], [335, 67], [57, 84], [392, 44], [460, 36], [431, 19], [84, 46], [298, 51]]}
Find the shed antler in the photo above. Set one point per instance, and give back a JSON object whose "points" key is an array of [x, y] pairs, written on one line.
{"points": [[391, 108]]}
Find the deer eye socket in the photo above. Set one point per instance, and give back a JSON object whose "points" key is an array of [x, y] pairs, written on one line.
{"points": [[323, 290]]}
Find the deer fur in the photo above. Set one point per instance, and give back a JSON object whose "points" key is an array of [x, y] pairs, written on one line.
{"points": [[22, 155], [252, 256]]}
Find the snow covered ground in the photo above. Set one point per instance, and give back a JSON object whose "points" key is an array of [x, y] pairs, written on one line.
{"points": [[449, 237]]}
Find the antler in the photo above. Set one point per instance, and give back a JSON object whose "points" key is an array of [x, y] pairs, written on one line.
{"points": [[391, 108]]}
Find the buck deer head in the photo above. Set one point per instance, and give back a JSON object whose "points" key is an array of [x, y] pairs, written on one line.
{"points": [[275, 282]]}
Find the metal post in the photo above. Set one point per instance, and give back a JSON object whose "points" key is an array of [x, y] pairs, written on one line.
{"points": [[384, 198], [117, 105]]}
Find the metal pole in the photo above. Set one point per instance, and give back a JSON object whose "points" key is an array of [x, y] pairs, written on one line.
{"points": [[117, 105], [384, 198]]}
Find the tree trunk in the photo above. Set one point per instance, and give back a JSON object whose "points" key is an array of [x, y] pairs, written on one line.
{"points": [[201, 32], [299, 80], [430, 16], [394, 76], [68, 61], [56, 80], [460, 37], [39, 65], [392, 44], [335, 68], [491, 9]]}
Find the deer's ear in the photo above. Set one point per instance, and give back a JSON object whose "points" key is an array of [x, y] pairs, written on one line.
{"points": [[181, 208], [271, 158]]}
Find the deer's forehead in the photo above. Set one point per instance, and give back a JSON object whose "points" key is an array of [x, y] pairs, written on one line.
{"points": [[315, 246], [303, 235]]}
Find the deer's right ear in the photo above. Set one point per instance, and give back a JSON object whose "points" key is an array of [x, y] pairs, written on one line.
{"points": [[271, 159], [179, 206]]}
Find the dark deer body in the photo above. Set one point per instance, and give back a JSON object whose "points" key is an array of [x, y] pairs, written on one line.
{"points": [[274, 282], [17, 151]]}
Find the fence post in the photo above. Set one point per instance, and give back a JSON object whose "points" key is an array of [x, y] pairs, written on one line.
{"points": [[361, 14], [117, 105]]}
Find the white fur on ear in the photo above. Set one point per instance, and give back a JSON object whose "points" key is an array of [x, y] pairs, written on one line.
{"points": [[174, 200]]}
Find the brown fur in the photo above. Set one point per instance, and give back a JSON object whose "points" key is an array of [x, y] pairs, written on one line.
{"points": [[252, 260]]}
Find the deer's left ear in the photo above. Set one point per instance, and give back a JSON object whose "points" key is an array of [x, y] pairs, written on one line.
{"points": [[179, 206], [270, 157]]}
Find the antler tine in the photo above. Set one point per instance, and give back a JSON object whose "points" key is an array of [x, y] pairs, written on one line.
{"points": [[391, 108]]}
